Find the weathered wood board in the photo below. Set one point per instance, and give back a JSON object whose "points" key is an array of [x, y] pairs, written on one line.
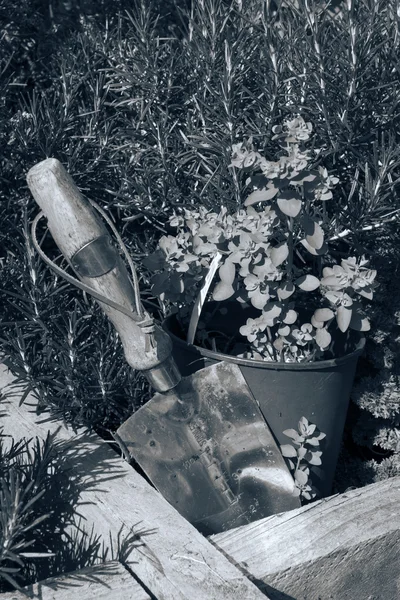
{"points": [[110, 581], [346, 547], [174, 561]]}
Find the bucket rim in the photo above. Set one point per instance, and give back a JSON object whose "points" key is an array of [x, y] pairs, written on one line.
{"points": [[260, 364]]}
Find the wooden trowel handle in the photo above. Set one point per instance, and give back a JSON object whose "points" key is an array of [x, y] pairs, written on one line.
{"points": [[84, 241]]}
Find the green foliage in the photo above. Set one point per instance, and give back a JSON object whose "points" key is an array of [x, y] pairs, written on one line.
{"points": [[82, 378], [144, 113], [302, 454], [356, 471], [39, 536], [41, 530], [377, 390], [277, 259]]}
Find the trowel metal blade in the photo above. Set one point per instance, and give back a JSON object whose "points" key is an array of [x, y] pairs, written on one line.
{"points": [[206, 447]]}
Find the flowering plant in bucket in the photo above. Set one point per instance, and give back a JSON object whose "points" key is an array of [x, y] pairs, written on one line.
{"points": [[274, 254]]}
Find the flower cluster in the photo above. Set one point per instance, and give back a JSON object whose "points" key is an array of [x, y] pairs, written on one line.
{"points": [[273, 255]]}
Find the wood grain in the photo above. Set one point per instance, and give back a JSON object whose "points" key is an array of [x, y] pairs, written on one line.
{"points": [[174, 561], [343, 547], [110, 581]]}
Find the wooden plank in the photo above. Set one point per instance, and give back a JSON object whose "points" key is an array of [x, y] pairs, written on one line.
{"points": [[343, 547], [174, 561], [110, 581]]}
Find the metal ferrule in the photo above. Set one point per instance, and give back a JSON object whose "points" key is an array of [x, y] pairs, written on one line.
{"points": [[95, 258], [164, 376]]}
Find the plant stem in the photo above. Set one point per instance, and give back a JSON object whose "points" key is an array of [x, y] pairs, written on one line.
{"points": [[291, 249], [269, 334]]}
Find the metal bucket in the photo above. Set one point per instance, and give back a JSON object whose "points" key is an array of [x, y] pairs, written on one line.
{"points": [[285, 392]]}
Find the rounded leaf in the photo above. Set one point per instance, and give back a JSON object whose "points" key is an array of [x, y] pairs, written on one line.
{"points": [[293, 434], [302, 177], [343, 318], [316, 239], [291, 208], [284, 331], [258, 299], [366, 293], [315, 458], [301, 452], [308, 283], [301, 477], [313, 441], [314, 251], [359, 323], [327, 271], [316, 324], [279, 254], [323, 338], [290, 317], [285, 290], [303, 425], [261, 195], [176, 284], [365, 325], [324, 314], [272, 310], [288, 451], [278, 344], [311, 428], [333, 281], [227, 272], [222, 291]]}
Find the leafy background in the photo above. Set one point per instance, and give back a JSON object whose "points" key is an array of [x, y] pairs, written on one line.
{"points": [[142, 102]]}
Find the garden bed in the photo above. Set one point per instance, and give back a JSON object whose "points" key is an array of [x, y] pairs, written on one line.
{"points": [[345, 546], [144, 109], [147, 142]]}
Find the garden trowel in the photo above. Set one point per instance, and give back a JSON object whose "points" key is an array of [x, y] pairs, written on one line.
{"points": [[201, 440]]}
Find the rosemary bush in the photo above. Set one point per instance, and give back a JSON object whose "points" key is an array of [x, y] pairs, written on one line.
{"points": [[41, 531], [39, 535], [143, 109]]}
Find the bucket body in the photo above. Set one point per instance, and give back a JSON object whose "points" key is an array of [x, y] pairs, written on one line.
{"points": [[285, 392]]}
